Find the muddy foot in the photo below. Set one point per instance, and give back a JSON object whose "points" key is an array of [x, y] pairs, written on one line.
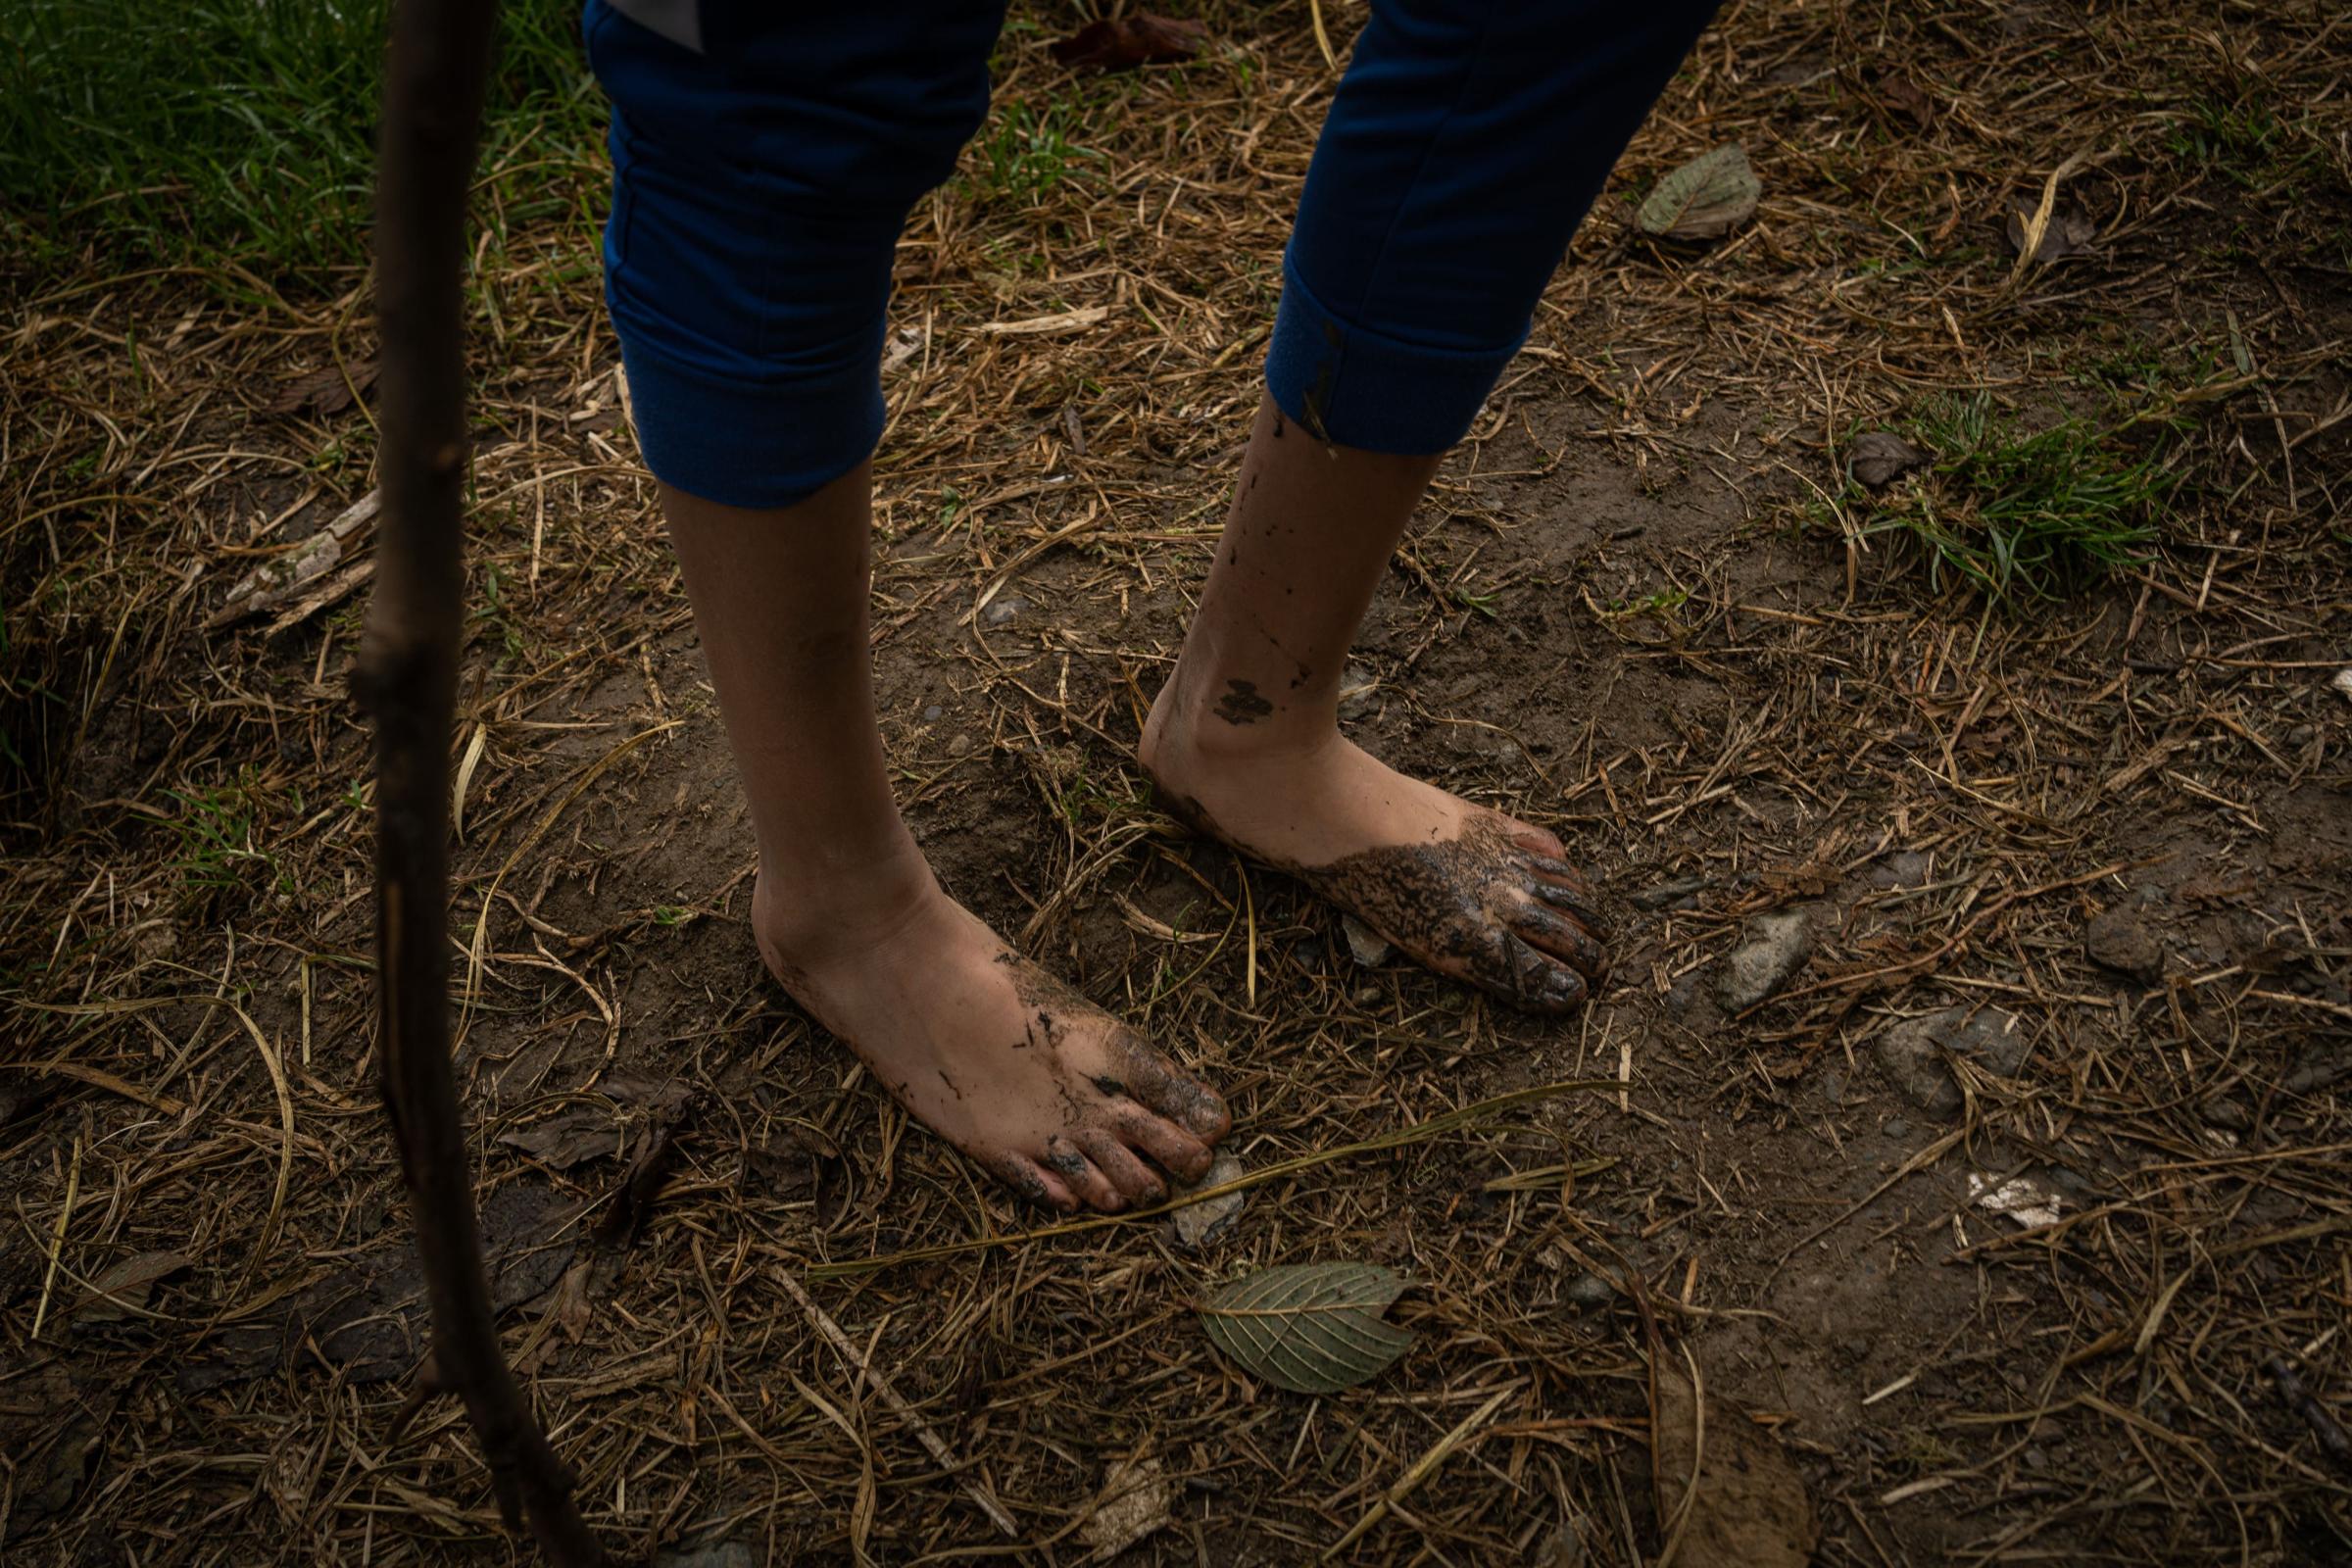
{"points": [[1060, 1100], [1466, 891]]}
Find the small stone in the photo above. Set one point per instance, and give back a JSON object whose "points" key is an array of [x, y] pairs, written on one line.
{"points": [[1904, 868], [1896, 1127], [1774, 949], [1913, 1053], [2120, 940], [1589, 1289], [2228, 1114], [1369, 947], [1356, 688], [932, 714], [1199, 1224], [1003, 609]]}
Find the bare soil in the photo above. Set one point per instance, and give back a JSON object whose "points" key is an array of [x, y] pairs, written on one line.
{"points": [[2101, 845]]}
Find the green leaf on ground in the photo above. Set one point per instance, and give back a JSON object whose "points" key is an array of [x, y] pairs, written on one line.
{"points": [[1311, 1328], [1704, 198]]}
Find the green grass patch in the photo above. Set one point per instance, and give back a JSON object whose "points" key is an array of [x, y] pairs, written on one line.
{"points": [[2018, 516], [237, 134]]}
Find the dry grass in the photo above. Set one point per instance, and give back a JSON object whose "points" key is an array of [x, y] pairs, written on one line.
{"points": [[1643, 606]]}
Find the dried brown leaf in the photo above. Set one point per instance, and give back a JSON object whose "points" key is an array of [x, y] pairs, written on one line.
{"points": [[1124, 43]]}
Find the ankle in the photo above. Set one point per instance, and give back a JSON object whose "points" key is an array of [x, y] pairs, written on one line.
{"points": [[806, 909], [1236, 719]]}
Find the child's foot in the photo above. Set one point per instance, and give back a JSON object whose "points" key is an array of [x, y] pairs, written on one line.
{"points": [[1062, 1101], [1467, 891]]}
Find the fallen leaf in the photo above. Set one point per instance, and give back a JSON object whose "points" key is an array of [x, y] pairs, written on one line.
{"points": [[325, 390], [2070, 233], [1749, 1507], [1704, 198], [1897, 93], [1126, 42], [1311, 1328], [1134, 1502], [1199, 1224], [596, 1126], [1879, 458], [126, 1284], [2022, 1199]]}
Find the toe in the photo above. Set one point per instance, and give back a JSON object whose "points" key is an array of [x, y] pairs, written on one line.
{"points": [[1032, 1181], [1178, 1152], [1158, 1085], [1082, 1176], [1535, 840], [1537, 982], [1569, 893], [1137, 1182], [1560, 938]]}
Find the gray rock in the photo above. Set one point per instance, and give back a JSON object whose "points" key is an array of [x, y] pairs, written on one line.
{"points": [[1369, 947], [1589, 1289], [1001, 609], [1772, 948], [1914, 1053], [1199, 1224], [1904, 868], [1896, 1127], [2120, 940], [1357, 687]]}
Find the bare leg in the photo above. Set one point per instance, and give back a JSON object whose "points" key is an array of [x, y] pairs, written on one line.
{"points": [[1062, 1100], [1244, 739]]}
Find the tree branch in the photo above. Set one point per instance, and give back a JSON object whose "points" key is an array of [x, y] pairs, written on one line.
{"points": [[438, 63]]}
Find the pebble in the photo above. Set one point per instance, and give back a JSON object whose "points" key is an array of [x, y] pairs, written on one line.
{"points": [[1774, 947], [2120, 940], [1003, 609], [1589, 1289], [1913, 1053], [1357, 687], [931, 714], [1896, 1127], [1369, 947], [1199, 1224]]}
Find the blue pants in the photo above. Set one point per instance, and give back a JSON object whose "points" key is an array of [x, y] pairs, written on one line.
{"points": [[763, 169]]}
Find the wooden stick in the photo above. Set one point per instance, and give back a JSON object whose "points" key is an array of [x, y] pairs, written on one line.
{"points": [[438, 64]]}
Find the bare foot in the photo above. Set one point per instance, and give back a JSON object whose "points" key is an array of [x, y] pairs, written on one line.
{"points": [[1465, 889], [1060, 1100]]}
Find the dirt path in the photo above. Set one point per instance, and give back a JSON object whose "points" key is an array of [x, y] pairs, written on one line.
{"points": [[2015, 1214]]}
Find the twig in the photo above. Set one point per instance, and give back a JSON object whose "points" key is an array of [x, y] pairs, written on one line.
{"points": [[1395, 1138], [436, 67], [933, 1443], [1421, 1470]]}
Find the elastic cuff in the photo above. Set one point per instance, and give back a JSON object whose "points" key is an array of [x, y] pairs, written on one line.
{"points": [[1357, 388], [745, 444]]}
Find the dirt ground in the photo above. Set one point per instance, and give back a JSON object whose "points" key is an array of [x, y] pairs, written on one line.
{"points": [[2015, 1217]]}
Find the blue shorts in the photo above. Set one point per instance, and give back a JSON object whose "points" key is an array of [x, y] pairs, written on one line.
{"points": [[764, 168]]}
